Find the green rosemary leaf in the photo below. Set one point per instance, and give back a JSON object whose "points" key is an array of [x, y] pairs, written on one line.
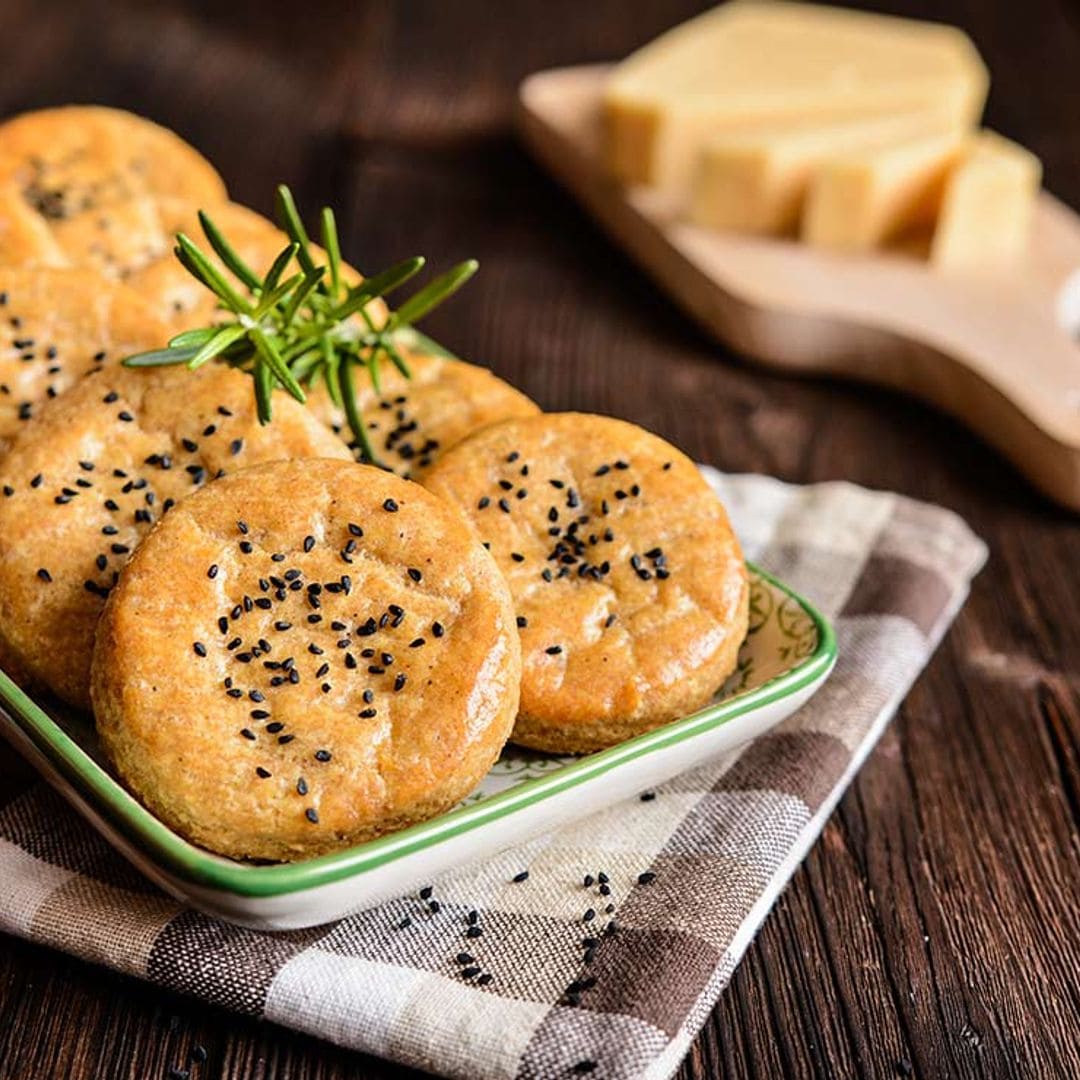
{"points": [[333, 251], [289, 220], [420, 303], [208, 273], [353, 415], [301, 293], [269, 354], [372, 364], [331, 360], [217, 344], [305, 365], [227, 253], [278, 268], [161, 357], [396, 358], [271, 299], [378, 285], [264, 391], [192, 337]]}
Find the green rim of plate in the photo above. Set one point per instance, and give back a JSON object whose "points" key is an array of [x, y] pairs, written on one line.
{"points": [[193, 864]]}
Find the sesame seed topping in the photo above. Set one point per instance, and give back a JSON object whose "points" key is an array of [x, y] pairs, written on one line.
{"points": [[312, 815], [200, 648], [390, 506]]}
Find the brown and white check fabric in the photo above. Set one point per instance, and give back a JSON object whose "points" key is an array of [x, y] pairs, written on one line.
{"points": [[553, 993]]}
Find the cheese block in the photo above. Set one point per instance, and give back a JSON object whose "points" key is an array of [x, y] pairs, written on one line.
{"points": [[988, 205], [755, 181], [861, 200], [766, 62]]}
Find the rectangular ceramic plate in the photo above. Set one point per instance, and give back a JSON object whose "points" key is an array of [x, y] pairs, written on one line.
{"points": [[787, 655]]}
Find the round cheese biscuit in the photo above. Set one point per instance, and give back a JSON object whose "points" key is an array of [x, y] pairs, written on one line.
{"points": [[412, 421], [55, 327], [86, 479], [303, 656], [93, 175], [629, 585]]}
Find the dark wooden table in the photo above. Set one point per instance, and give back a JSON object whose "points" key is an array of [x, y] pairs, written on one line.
{"points": [[935, 926]]}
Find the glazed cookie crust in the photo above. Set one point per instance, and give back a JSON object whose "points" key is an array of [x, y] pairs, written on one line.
{"points": [[91, 176], [630, 588], [330, 655], [85, 480], [57, 326], [411, 422]]}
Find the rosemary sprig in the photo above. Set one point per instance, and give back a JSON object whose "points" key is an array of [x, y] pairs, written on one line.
{"points": [[292, 330]]}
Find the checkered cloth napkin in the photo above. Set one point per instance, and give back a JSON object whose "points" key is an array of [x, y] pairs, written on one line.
{"points": [[722, 842]]}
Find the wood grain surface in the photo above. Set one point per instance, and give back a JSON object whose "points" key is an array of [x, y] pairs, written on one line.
{"points": [[934, 930]]}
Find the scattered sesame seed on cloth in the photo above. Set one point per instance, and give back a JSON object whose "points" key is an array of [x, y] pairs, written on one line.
{"points": [[596, 950]]}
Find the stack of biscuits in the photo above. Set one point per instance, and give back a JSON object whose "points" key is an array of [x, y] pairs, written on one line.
{"points": [[287, 652]]}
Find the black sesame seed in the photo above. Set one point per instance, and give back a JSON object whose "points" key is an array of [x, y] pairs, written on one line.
{"points": [[473, 932], [504, 506], [484, 503], [263, 774], [390, 506], [312, 815], [646, 877], [322, 755], [301, 786], [284, 740], [247, 733], [415, 574], [647, 796], [426, 891], [125, 416], [465, 958], [236, 446], [470, 972], [200, 648], [522, 622], [589, 915], [553, 650], [519, 877], [587, 881], [437, 629], [213, 571], [399, 681]]}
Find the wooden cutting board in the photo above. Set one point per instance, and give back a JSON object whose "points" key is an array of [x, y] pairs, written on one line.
{"points": [[999, 351]]}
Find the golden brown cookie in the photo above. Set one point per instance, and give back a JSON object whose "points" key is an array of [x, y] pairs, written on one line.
{"points": [[303, 656], [55, 327], [84, 481], [92, 176], [412, 421], [630, 587], [25, 239]]}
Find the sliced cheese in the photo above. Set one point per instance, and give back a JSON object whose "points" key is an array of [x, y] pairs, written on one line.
{"points": [[753, 62], [988, 205], [755, 181], [861, 200]]}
